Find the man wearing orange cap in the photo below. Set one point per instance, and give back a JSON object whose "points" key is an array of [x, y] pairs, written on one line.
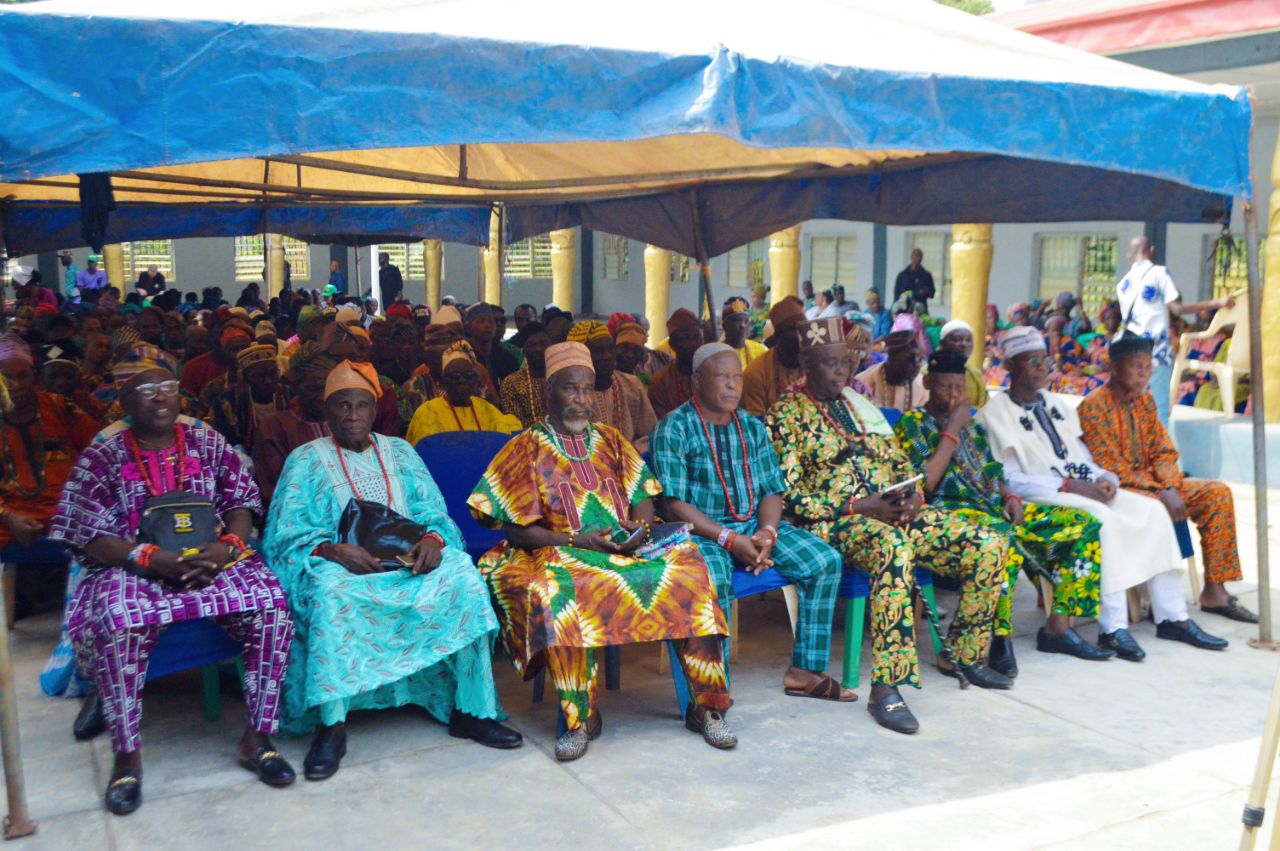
{"points": [[376, 631], [579, 569], [779, 368], [673, 386]]}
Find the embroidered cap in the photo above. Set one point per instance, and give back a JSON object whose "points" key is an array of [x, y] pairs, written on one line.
{"points": [[821, 332]]}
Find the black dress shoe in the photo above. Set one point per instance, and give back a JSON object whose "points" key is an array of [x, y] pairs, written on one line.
{"points": [[325, 754], [979, 675], [1071, 644], [270, 766], [1001, 658], [1190, 633], [1124, 645], [124, 792], [891, 712], [486, 731], [89, 722]]}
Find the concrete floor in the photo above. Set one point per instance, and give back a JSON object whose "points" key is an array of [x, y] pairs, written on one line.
{"points": [[1078, 755]]}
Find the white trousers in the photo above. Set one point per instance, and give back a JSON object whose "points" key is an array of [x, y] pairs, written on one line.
{"points": [[1167, 602]]}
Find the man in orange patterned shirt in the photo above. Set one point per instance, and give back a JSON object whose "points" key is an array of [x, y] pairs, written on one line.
{"points": [[1122, 430]]}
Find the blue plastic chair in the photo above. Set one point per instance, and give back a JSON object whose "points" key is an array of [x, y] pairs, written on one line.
{"points": [[457, 460], [195, 644], [855, 589], [182, 646], [892, 415], [43, 553], [745, 584]]}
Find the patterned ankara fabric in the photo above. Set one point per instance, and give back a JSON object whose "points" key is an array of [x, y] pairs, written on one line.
{"points": [[52, 441], [1129, 440], [115, 617], [685, 466], [824, 470], [524, 396], [569, 597], [1055, 542], [387, 639]]}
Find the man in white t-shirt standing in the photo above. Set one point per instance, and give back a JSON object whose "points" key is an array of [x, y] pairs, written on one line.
{"points": [[1148, 297]]}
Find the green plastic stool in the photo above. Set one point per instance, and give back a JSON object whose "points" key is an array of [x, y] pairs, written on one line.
{"points": [[855, 613]]}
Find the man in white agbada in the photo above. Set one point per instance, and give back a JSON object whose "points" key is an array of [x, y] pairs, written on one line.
{"points": [[1036, 434], [1147, 298]]}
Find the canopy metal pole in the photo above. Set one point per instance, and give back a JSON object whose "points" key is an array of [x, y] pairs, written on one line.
{"points": [[18, 822], [1264, 639]]}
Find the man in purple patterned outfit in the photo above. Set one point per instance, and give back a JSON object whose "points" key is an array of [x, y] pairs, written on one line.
{"points": [[134, 588]]}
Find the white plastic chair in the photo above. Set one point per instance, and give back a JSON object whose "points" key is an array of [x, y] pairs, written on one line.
{"points": [[1236, 366]]}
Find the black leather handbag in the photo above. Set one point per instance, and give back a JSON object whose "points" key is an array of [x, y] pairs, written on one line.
{"points": [[178, 520], [385, 534]]}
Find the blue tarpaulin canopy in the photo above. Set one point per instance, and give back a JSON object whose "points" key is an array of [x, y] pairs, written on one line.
{"points": [[694, 126]]}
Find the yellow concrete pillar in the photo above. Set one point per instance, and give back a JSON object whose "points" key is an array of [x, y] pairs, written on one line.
{"points": [[971, 252], [657, 290], [274, 278], [113, 265], [433, 261], [492, 263], [784, 264], [1270, 326], [563, 264]]}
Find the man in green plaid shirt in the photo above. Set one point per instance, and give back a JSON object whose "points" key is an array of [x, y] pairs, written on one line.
{"points": [[720, 474]]}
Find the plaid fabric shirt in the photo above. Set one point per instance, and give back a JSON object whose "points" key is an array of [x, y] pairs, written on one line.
{"points": [[686, 466]]}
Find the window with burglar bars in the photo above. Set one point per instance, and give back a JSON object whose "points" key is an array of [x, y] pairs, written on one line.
{"points": [[1084, 266], [746, 264], [617, 257], [529, 258], [935, 245], [407, 257], [1230, 270], [833, 260], [680, 267], [251, 260], [149, 252]]}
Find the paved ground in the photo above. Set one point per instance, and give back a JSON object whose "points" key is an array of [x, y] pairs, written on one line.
{"points": [[1078, 755]]}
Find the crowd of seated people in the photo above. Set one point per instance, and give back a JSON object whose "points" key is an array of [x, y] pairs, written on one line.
{"points": [[203, 460]]}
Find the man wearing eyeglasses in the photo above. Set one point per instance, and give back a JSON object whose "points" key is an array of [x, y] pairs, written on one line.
{"points": [[1037, 436]]}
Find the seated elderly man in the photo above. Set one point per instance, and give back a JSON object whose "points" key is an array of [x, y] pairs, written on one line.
{"points": [[376, 632], [719, 473], [895, 382], [1036, 435], [1058, 543], [578, 571], [958, 336], [847, 482], [158, 513], [460, 408], [1123, 431]]}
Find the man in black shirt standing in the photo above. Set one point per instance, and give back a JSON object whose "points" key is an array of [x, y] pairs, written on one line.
{"points": [[917, 280], [389, 279]]}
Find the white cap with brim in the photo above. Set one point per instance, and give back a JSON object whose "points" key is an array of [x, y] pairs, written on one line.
{"points": [[22, 275]]}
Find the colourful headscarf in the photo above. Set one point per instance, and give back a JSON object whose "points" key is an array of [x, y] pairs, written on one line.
{"points": [[311, 357], [630, 332], [587, 330], [617, 320]]}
